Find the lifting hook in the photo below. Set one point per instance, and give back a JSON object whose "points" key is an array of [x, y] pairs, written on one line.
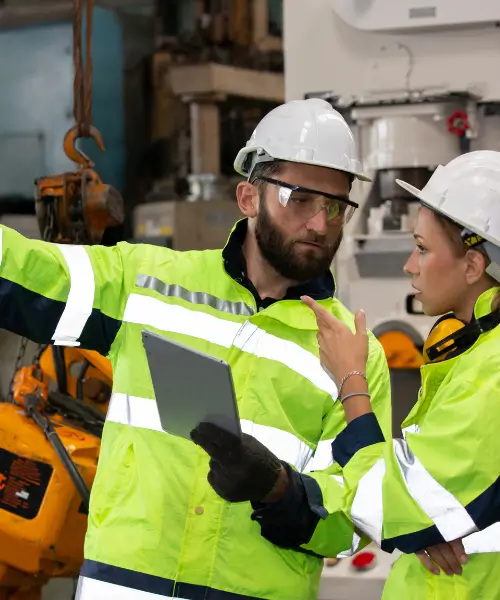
{"points": [[77, 155]]}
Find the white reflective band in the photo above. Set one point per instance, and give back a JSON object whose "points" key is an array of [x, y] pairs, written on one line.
{"points": [[339, 479], [93, 589], [323, 457], [283, 444], [353, 549], [260, 343], [487, 540], [145, 310], [152, 312], [80, 298], [367, 507], [411, 429], [449, 516], [143, 412], [134, 411]]}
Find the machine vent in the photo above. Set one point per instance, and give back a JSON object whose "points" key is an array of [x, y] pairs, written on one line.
{"points": [[422, 12]]}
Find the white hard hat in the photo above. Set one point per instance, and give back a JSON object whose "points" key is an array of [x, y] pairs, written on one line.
{"points": [[467, 191], [303, 131]]}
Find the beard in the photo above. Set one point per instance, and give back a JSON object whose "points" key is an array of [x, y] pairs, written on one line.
{"points": [[283, 254]]}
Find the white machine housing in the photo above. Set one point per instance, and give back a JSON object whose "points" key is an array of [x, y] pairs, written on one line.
{"points": [[398, 69], [406, 15]]}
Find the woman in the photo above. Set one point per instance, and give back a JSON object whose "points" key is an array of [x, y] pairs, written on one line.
{"points": [[440, 487]]}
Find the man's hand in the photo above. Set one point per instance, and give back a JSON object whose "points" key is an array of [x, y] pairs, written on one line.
{"points": [[240, 470], [448, 556]]}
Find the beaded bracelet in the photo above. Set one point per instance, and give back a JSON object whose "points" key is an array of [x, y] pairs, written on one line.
{"points": [[346, 377]]}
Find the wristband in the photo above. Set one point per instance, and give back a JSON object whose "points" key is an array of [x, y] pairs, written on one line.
{"points": [[342, 400]]}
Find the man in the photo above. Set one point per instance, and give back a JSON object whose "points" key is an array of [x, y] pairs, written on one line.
{"points": [[157, 528]]}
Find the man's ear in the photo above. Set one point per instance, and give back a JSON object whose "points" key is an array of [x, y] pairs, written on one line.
{"points": [[248, 199], [475, 266]]}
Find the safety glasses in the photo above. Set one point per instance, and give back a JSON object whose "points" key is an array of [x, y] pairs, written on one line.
{"points": [[306, 203]]}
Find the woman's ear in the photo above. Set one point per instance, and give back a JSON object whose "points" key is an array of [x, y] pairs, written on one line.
{"points": [[475, 267], [248, 198]]}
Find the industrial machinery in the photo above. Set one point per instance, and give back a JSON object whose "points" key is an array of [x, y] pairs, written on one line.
{"points": [[52, 419], [418, 84], [51, 426]]}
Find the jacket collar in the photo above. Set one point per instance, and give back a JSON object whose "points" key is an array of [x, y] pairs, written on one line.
{"points": [[483, 303]]}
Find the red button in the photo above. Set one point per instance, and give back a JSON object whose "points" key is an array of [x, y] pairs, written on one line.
{"points": [[364, 560]]}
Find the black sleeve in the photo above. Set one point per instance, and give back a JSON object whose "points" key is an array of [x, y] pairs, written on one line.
{"points": [[291, 521]]}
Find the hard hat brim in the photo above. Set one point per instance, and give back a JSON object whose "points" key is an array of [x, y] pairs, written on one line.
{"points": [[432, 206], [240, 159]]}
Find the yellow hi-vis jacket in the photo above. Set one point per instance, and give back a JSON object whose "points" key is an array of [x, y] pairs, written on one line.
{"points": [[156, 529], [442, 482]]}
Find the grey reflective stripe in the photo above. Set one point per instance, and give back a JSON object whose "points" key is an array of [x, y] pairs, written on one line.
{"points": [[177, 291]]}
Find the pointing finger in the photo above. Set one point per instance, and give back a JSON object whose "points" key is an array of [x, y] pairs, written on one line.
{"points": [[360, 322], [320, 311]]}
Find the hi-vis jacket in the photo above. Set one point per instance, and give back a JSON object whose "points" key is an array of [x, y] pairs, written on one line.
{"points": [[442, 482], [156, 528]]}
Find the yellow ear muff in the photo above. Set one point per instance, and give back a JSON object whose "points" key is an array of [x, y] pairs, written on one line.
{"points": [[441, 330]]}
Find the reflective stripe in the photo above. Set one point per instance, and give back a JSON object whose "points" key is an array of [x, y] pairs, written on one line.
{"points": [[487, 540], [100, 581], [356, 539], [283, 444], [134, 411], [152, 312], [172, 289], [339, 479], [93, 589], [80, 298], [449, 516], [143, 412], [367, 509], [256, 341], [178, 319], [323, 457], [411, 429]]}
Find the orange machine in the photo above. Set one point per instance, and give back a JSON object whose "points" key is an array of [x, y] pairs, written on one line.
{"points": [[50, 429], [49, 447]]}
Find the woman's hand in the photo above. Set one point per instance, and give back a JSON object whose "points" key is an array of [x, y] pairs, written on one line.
{"points": [[341, 351], [448, 556]]}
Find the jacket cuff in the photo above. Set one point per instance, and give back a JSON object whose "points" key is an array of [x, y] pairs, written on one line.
{"points": [[361, 432], [291, 521]]}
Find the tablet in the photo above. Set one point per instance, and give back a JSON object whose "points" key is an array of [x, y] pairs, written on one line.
{"points": [[190, 387]]}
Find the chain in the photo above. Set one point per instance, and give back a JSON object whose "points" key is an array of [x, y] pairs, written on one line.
{"points": [[47, 236], [82, 87]]}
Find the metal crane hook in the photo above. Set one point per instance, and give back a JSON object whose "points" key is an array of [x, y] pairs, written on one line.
{"points": [[77, 155]]}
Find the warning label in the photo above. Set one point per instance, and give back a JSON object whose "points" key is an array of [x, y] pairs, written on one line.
{"points": [[23, 483]]}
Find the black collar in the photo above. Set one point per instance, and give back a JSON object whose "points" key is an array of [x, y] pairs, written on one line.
{"points": [[234, 262]]}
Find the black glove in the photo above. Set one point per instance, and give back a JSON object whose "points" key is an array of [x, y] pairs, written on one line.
{"points": [[240, 470]]}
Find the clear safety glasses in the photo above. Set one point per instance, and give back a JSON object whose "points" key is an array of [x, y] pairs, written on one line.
{"points": [[306, 203]]}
